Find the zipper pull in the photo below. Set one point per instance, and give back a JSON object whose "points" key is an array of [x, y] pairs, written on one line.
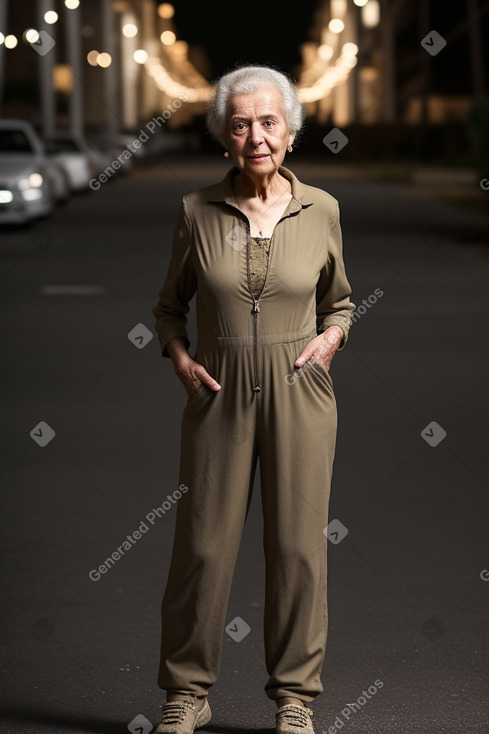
{"points": [[256, 308]]}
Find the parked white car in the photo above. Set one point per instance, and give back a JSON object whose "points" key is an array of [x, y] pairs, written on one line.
{"points": [[60, 181], [155, 142], [76, 158], [26, 179], [115, 152]]}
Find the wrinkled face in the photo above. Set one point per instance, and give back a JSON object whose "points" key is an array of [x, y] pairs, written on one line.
{"points": [[257, 134]]}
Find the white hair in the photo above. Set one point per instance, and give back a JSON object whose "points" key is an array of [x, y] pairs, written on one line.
{"points": [[246, 80]]}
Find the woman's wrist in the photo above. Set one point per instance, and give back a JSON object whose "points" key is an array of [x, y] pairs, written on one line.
{"points": [[177, 348], [333, 335]]}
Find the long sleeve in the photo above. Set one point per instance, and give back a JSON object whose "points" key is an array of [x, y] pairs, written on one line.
{"points": [[333, 305], [179, 286]]}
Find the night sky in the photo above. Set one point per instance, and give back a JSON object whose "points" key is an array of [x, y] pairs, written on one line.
{"points": [[234, 32]]}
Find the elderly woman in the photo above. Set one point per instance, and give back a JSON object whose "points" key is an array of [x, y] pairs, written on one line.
{"points": [[263, 253]]}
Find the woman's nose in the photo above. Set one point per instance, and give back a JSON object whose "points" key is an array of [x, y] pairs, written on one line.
{"points": [[256, 135]]}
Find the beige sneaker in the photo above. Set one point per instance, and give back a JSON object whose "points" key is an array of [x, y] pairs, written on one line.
{"points": [[294, 719], [183, 716]]}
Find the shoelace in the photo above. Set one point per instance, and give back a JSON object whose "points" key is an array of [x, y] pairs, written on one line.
{"points": [[174, 711], [296, 715]]}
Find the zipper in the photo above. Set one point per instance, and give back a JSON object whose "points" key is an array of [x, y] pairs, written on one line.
{"points": [[256, 311], [256, 308]]}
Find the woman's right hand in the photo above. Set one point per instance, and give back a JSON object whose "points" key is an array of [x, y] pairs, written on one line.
{"points": [[190, 373]]}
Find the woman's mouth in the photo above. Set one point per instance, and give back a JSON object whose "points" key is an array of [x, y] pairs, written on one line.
{"points": [[257, 158]]}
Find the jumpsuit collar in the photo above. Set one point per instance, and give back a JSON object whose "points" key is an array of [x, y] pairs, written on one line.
{"points": [[223, 191]]}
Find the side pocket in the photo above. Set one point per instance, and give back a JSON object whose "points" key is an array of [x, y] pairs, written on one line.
{"points": [[199, 389], [318, 369]]}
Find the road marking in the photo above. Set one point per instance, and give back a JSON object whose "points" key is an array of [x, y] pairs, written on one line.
{"points": [[72, 290]]}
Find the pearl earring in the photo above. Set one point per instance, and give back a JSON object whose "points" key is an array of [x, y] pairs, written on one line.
{"points": [[289, 148], [226, 154]]}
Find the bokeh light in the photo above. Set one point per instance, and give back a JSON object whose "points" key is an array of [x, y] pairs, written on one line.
{"points": [[350, 49], [336, 25], [325, 52], [338, 8], [166, 10], [371, 14], [31, 35], [129, 30], [92, 57], [104, 60], [11, 41], [51, 17], [167, 38], [140, 56]]}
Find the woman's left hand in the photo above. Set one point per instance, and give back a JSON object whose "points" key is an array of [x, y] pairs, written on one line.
{"points": [[321, 348]]}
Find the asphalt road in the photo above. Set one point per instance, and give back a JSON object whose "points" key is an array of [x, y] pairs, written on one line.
{"points": [[408, 584]]}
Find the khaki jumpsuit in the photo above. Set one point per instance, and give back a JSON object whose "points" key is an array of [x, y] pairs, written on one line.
{"points": [[266, 407]]}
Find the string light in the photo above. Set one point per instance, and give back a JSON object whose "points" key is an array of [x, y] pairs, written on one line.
{"points": [[332, 76]]}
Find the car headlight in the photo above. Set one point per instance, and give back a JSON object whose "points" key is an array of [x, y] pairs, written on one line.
{"points": [[6, 197], [32, 194], [34, 181], [30, 187]]}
